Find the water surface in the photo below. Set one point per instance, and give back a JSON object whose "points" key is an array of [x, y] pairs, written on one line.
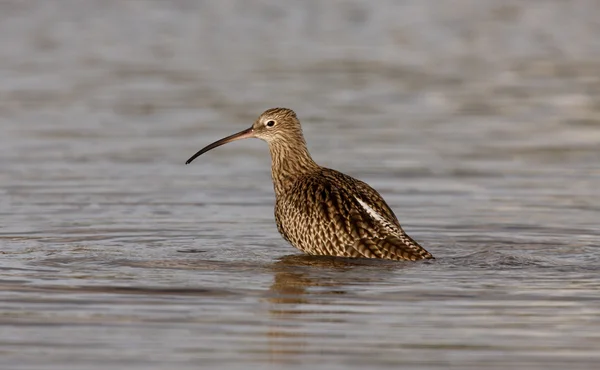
{"points": [[479, 122]]}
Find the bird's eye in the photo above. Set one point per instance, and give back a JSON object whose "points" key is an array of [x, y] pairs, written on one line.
{"points": [[270, 123]]}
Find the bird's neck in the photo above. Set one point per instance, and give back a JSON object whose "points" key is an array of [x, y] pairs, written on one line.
{"points": [[288, 162]]}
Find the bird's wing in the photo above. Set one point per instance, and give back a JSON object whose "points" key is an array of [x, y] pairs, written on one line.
{"points": [[358, 218], [368, 198]]}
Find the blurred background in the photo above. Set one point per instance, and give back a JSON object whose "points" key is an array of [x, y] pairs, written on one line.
{"points": [[477, 120]]}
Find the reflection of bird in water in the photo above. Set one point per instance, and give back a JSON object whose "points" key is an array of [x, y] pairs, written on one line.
{"points": [[291, 279], [294, 275], [309, 291], [322, 211]]}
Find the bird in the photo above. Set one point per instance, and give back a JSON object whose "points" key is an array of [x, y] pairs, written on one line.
{"points": [[321, 211]]}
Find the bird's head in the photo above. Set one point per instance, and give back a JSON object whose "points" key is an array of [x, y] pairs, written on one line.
{"points": [[275, 126]]}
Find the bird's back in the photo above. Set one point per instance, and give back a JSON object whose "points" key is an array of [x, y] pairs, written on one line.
{"points": [[328, 213]]}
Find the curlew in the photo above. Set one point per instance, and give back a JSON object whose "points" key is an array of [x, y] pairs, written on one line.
{"points": [[321, 211]]}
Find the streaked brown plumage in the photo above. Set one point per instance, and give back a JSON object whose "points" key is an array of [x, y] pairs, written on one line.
{"points": [[319, 210]]}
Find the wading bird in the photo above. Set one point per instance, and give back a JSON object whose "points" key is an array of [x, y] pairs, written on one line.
{"points": [[319, 210]]}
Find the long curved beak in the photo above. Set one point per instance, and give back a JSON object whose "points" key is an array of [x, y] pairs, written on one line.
{"points": [[240, 135]]}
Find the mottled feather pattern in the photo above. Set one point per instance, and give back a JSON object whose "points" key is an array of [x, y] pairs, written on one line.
{"points": [[320, 214]]}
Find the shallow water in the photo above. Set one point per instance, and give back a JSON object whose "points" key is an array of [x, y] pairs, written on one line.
{"points": [[478, 122]]}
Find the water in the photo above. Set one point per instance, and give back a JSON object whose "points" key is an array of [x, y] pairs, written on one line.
{"points": [[479, 122]]}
